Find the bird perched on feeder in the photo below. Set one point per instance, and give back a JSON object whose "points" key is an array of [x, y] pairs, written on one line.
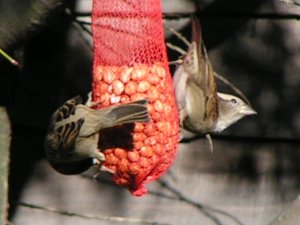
{"points": [[71, 143], [201, 108]]}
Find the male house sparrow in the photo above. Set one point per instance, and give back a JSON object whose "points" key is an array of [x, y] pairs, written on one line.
{"points": [[71, 143], [201, 108]]}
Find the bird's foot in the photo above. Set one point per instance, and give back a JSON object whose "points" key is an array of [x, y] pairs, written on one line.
{"points": [[89, 102], [101, 167], [210, 142]]}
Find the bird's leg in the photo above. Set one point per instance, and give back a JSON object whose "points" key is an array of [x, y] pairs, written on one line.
{"points": [[210, 142], [99, 160], [106, 169], [89, 101], [99, 156], [176, 62], [102, 168]]}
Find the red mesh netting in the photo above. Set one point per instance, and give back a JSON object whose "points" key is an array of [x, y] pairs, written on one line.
{"points": [[130, 63]]}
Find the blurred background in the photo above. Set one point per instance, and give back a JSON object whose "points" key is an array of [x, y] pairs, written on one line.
{"points": [[251, 177]]}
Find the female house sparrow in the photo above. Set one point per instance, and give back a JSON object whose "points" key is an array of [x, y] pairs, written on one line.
{"points": [[71, 143], [201, 108]]}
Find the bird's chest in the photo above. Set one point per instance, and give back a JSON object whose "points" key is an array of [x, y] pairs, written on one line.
{"points": [[86, 146], [204, 126]]}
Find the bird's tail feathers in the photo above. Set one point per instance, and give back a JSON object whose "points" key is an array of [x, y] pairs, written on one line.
{"points": [[130, 113]]}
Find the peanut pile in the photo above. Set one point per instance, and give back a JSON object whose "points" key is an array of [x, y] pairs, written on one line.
{"points": [[142, 152]]}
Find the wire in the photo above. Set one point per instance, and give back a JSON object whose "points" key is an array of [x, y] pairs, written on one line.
{"points": [[227, 14]]}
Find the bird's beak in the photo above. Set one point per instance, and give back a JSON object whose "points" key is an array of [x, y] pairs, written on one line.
{"points": [[247, 110]]}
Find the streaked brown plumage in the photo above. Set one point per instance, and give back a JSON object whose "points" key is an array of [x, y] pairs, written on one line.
{"points": [[202, 109], [72, 140]]}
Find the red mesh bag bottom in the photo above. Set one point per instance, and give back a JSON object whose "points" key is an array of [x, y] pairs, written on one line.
{"points": [[130, 63]]}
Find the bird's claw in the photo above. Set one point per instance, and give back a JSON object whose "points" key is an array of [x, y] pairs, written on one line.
{"points": [[89, 101], [101, 168]]}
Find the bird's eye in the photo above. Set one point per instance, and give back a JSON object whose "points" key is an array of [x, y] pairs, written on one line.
{"points": [[233, 101]]}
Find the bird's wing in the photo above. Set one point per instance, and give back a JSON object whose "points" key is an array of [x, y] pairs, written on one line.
{"points": [[201, 72], [195, 105], [68, 134], [96, 119], [62, 138], [179, 82], [66, 110]]}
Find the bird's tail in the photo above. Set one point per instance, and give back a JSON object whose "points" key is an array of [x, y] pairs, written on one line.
{"points": [[130, 113]]}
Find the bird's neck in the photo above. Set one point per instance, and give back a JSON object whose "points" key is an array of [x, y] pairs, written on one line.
{"points": [[224, 119]]}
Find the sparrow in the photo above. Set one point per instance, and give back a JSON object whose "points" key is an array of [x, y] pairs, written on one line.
{"points": [[71, 144], [202, 109]]}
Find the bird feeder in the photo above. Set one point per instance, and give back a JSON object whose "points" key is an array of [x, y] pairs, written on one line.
{"points": [[130, 63]]}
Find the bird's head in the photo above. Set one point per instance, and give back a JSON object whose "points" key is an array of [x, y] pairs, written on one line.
{"points": [[231, 109], [72, 168]]}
